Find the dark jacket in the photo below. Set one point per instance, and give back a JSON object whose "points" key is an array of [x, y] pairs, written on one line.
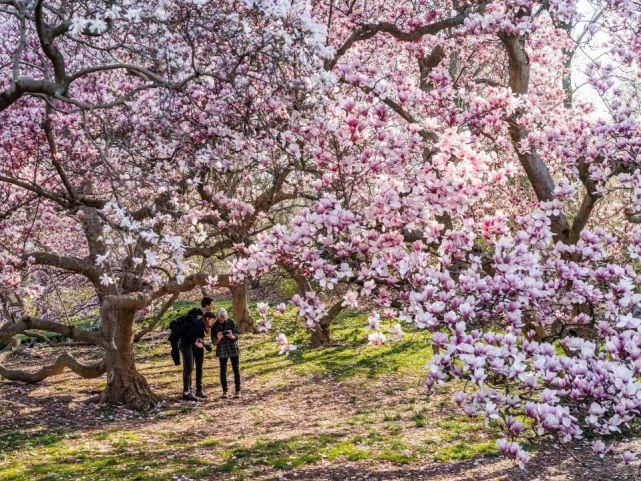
{"points": [[195, 328], [226, 347], [176, 338]]}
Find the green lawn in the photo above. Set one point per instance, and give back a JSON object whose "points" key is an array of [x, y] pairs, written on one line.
{"points": [[348, 403]]}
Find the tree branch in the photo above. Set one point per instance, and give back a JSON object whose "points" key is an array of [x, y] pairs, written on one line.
{"points": [[587, 204], [34, 188], [333, 311], [65, 360], [150, 327], [26, 85], [72, 264], [10, 329], [208, 251], [138, 300], [427, 64], [536, 170], [398, 108], [46, 125], [367, 31], [51, 51]]}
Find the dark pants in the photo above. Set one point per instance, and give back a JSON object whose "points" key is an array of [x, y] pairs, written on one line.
{"points": [[235, 364], [192, 354]]}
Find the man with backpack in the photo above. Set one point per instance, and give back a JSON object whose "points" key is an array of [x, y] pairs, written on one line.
{"points": [[187, 333]]}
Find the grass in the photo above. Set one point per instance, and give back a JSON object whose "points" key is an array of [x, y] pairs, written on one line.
{"points": [[16, 441], [347, 403], [463, 450], [420, 419]]}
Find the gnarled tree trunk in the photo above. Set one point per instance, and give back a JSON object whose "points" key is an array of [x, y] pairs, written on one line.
{"points": [[240, 311], [125, 385]]}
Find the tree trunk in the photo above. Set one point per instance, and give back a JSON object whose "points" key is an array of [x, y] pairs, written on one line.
{"points": [[125, 385], [321, 336], [240, 311]]}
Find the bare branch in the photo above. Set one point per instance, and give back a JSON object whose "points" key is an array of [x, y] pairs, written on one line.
{"points": [[10, 329], [138, 300], [46, 125], [400, 110], [194, 280], [587, 204], [73, 264], [133, 69], [51, 51], [208, 251], [9, 349], [65, 360], [34, 188], [150, 327], [25, 85], [427, 64]]}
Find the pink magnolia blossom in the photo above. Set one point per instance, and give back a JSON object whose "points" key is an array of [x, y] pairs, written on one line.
{"points": [[376, 338]]}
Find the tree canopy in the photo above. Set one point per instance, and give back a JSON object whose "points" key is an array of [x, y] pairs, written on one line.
{"points": [[468, 166]]}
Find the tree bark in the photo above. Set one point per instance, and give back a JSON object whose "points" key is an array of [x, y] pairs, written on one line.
{"points": [[321, 336], [125, 385], [240, 311], [536, 169]]}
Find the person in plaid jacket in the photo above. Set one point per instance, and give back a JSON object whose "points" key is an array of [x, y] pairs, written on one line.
{"points": [[224, 335]]}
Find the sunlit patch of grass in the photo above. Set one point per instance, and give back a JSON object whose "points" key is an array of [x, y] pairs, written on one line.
{"points": [[397, 457], [124, 439], [456, 438], [295, 452], [353, 357], [346, 450], [208, 442], [455, 428], [462, 450]]}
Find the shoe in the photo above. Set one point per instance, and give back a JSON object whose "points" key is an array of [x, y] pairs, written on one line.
{"points": [[187, 396], [237, 394], [201, 394], [225, 395]]}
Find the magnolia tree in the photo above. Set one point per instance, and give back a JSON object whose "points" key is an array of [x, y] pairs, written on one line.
{"points": [[469, 189], [123, 124]]}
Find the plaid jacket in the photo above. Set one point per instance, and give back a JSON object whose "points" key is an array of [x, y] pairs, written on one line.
{"points": [[226, 347]]}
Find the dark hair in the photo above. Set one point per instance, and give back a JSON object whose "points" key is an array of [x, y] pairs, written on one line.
{"points": [[208, 315], [206, 301]]}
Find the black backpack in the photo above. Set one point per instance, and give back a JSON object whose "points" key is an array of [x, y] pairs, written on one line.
{"points": [[177, 328], [179, 325]]}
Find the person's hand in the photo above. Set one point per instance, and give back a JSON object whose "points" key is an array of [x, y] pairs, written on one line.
{"points": [[230, 335], [219, 336], [199, 343]]}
